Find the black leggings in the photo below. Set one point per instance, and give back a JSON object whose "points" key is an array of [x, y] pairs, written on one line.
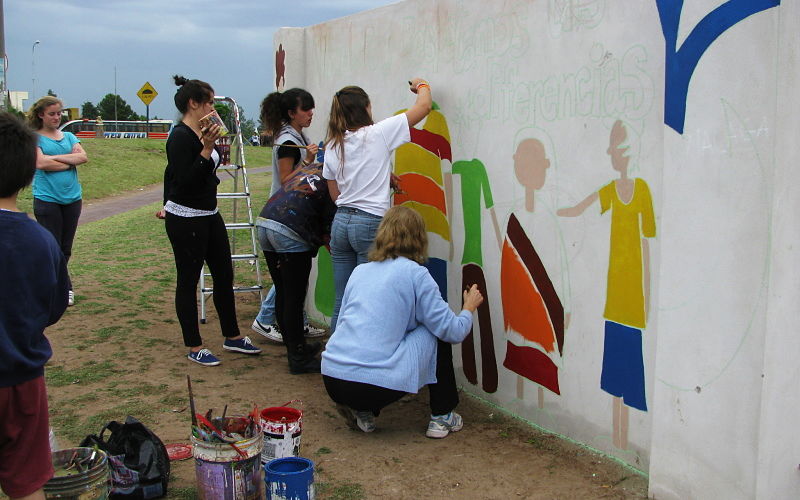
{"points": [[61, 221], [290, 271], [367, 397], [196, 240]]}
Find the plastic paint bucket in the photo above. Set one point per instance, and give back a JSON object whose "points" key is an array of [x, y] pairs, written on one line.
{"points": [[289, 478], [282, 427], [225, 474], [92, 484]]}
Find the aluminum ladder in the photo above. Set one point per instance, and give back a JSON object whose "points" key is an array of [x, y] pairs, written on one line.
{"points": [[240, 220]]}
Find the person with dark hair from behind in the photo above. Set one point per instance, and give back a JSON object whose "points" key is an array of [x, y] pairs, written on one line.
{"points": [[33, 296], [294, 223], [285, 115], [395, 330], [194, 225]]}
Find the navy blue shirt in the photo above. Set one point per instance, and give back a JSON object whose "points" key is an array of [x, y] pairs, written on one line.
{"points": [[33, 296]]}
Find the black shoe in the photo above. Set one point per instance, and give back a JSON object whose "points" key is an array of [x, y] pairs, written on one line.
{"points": [[303, 359]]}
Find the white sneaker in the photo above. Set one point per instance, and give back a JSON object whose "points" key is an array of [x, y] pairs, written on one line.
{"points": [[271, 332], [71, 298], [313, 332], [442, 425]]}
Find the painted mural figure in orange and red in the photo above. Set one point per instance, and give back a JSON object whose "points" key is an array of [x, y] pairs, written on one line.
{"points": [[628, 282], [534, 316], [474, 185]]}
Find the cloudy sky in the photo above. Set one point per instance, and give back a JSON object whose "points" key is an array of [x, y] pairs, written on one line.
{"points": [[227, 43]]}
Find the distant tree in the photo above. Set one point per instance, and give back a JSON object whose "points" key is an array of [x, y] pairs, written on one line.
{"points": [[14, 111], [248, 129], [51, 93], [89, 110], [123, 112]]}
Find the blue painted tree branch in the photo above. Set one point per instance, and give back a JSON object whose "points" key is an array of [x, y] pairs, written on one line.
{"points": [[681, 63]]}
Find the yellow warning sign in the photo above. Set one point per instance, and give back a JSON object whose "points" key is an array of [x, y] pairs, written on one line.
{"points": [[147, 93]]}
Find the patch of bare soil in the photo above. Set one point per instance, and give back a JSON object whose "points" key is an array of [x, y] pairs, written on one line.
{"points": [[114, 357]]}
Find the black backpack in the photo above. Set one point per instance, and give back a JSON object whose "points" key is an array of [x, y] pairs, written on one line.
{"points": [[137, 459]]}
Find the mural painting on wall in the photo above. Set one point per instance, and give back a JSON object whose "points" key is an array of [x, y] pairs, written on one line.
{"points": [[533, 310], [573, 15], [280, 68], [681, 63], [474, 188], [418, 165], [628, 281]]}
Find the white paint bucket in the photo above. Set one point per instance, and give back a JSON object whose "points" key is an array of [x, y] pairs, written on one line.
{"points": [[282, 428]]}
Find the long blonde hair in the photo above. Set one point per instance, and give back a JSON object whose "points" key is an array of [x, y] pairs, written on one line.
{"points": [[401, 234], [348, 112], [38, 107]]}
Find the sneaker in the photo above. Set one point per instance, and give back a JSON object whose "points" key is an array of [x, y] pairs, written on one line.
{"points": [[442, 425], [313, 332], [242, 345], [203, 357], [71, 298], [357, 420], [271, 332]]}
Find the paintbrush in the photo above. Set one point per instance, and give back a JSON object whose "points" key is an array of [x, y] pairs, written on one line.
{"points": [[296, 146], [191, 401]]}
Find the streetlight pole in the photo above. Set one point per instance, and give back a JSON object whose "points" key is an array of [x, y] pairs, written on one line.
{"points": [[33, 69]]}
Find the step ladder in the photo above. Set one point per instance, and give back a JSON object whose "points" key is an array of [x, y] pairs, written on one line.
{"points": [[239, 219]]}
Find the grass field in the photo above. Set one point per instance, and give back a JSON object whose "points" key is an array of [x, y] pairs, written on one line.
{"points": [[119, 165]]}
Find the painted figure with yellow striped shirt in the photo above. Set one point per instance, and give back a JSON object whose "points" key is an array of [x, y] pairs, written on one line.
{"points": [[628, 285]]}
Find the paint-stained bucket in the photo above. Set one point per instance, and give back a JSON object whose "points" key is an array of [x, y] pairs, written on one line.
{"points": [[228, 472], [282, 427], [89, 484], [289, 478]]}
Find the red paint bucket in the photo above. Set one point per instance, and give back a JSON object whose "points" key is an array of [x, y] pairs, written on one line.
{"points": [[282, 427]]}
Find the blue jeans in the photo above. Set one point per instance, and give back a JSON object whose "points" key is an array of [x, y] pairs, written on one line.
{"points": [[273, 237], [352, 234]]}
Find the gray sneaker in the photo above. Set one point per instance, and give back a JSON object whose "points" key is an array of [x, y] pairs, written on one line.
{"points": [[442, 425], [357, 420]]}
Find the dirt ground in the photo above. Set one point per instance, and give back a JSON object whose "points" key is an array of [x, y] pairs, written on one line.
{"points": [[119, 352], [493, 457]]}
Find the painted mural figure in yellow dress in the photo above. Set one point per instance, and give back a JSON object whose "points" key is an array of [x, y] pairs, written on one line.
{"points": [[628, 285]]}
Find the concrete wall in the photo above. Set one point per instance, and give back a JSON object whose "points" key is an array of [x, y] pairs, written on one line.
{"points": [[681, 303]]}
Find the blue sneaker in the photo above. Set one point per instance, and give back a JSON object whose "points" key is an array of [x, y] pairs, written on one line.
{"points": [[242, 345], [203, 357], [442, 425]]}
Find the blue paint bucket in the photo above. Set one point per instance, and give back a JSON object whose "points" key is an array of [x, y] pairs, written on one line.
{"points": [[290, 478]]}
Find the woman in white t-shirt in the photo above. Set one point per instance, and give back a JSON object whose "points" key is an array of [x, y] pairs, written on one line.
{"points": [[358, 169]]}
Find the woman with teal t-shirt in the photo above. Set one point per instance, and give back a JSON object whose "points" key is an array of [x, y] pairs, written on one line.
{"points": [[56, 189]]}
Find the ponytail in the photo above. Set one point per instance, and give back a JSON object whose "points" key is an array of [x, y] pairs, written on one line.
{"points": [[196, 90], [276, 106], [348, 112]]}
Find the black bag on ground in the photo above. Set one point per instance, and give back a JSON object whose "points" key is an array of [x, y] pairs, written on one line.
{"points": [[137, 459]]}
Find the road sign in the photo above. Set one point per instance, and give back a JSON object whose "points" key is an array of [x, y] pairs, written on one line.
{"points": [[147, 93]]}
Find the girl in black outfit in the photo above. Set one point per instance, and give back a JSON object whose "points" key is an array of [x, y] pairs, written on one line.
{"points": [[294, 223], [193, 223]]}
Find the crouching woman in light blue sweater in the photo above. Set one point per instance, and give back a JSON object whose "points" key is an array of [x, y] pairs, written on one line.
{"points": [[394, 332]]}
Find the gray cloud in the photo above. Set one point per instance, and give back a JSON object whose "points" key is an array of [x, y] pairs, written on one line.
{"points": [[227, 43]]}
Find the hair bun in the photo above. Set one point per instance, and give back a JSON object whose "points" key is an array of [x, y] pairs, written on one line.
{"points": [[179, 80]]}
